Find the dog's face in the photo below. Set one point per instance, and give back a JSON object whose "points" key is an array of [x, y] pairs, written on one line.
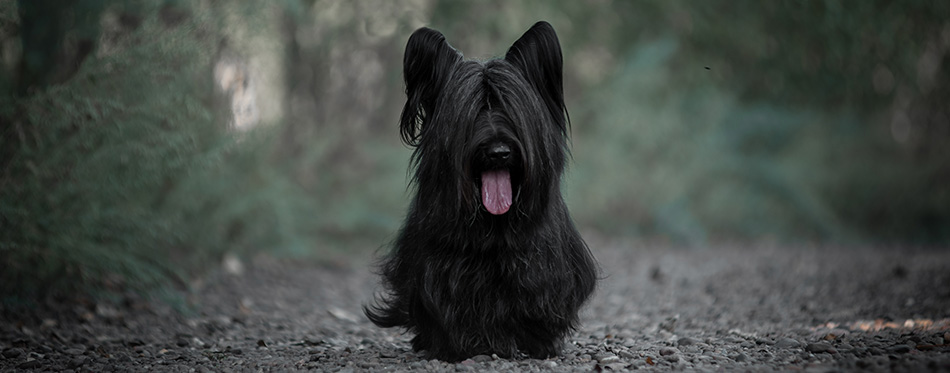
{"points": [[493, 132]]}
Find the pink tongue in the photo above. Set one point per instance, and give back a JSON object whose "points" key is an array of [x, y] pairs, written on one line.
{"points": [[496, 191]]}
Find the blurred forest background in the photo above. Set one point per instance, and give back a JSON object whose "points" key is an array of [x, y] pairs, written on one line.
{"points": [[143, 141]]}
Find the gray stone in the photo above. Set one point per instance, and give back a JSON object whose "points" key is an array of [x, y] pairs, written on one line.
{"points": [[686, 341], [367, 364], [787, 343], [899, 349], [820, 347], [388, 354], [30, 364], [76, 362], [12, 353]]}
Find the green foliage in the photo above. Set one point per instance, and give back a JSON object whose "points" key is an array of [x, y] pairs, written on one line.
{"points": [[81, 190], [786, 124], [123, 176], [692, 165]]}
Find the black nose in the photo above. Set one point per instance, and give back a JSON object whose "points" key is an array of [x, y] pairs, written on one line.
{"points": [[499, 152]]}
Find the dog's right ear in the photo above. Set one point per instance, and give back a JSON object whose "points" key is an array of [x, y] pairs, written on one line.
{"points": [[538, 55], [428, 61]]}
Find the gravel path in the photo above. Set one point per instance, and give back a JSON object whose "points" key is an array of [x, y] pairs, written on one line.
{"points": [[657, 308]]}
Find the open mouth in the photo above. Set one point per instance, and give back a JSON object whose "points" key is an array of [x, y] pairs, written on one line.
{"points": [[497, 175], [496, 191]]}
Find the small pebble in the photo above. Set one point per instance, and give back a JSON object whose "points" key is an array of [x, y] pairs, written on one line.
{"points": [[787, 343], [820, 347], [388, 354], [12, 353], [686, 341], [627, 354], [836, 334], [666, 351], [481, 358], [367, 365], [30, 364], [76, 362], [899, 349]]}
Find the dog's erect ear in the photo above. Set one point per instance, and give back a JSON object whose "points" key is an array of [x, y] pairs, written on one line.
{"points": [[538, 55], [428, 61]]}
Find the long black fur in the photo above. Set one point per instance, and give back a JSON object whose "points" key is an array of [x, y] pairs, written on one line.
{"points": [[464, 281]]}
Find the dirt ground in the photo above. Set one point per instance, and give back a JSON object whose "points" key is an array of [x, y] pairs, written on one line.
{"points": [[720, 308]]}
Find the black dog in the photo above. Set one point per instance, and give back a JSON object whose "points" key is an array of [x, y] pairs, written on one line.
{"points": [[488, 260]]}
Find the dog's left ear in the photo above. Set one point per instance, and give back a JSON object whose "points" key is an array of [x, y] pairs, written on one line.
{"points": [[538, 55], [427, 64]]}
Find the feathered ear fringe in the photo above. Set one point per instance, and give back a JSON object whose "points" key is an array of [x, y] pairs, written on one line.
{"points": [[427, 64], [537, 54]]}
